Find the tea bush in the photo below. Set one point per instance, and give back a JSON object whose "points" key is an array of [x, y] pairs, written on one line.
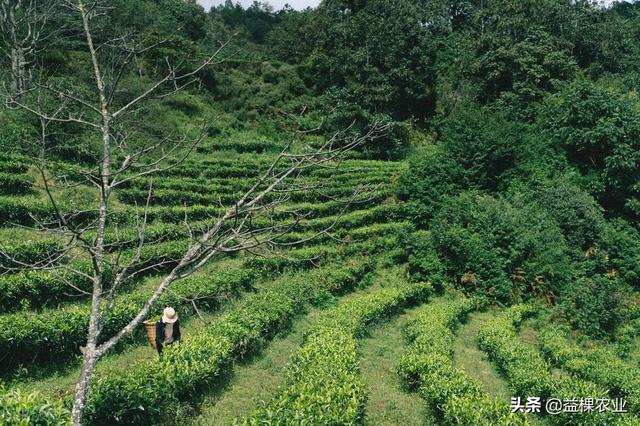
{"points": [[150, 388], [528, 373], [323, 385], [598, 365], [17, 408]]}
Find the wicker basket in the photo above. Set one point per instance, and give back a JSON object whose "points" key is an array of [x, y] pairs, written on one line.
{"points": [[150, 326]]}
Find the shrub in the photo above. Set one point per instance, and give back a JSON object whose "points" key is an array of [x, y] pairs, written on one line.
{"points": [[424, 263], [17, 408], [485, 146], [323, 385], [149, 388], [431, 177], [427, 367], [592, 305], [502, 249], [577, 213]]}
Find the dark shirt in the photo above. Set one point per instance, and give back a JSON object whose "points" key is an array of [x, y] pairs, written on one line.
{"points": [[160, 333]]}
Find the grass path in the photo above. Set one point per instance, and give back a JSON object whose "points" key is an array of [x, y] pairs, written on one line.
{"points": [[257, 378], [388, 404], [475, 362], [254, 379]]}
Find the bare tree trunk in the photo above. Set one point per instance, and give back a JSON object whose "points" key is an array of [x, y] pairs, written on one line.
{"points": [[15, 70], [82, 386], [21, 70], [91, 355], [21, 26]]}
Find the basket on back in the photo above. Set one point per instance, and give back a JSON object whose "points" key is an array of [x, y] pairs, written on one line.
{"points": [[150, 326]]}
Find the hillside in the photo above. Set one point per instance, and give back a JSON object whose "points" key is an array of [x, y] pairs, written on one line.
{"points": [[372, 212]]}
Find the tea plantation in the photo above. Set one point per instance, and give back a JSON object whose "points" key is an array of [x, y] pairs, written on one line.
{"points": [[456, 243]]}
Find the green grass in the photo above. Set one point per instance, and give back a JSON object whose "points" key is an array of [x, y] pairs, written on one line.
{"points": [[475, 362], [388, 404], [254, 379], [634, 355]]}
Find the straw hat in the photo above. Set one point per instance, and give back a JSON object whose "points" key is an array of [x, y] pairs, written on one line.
{"points": [[169, 315]]}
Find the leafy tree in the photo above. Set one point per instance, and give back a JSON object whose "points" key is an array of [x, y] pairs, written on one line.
{"points": [[601, 133], [432, 176], [485, 144], [381, 52], [290, 38], [504, 249], [577, 213], [529, 67]]}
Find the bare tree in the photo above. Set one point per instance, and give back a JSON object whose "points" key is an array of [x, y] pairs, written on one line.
{"points": [[122, 161], [22, 23]]}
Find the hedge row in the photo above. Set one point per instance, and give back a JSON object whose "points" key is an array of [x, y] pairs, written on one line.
{"points": [[176, 214], [150, 389], [128, 237], [16, 255], [345, 234], [15, 183], [13, 165], [169, 197], [23, 210], [380, 240], [600, 366], [244, 146], [189, 185], [69, 325], [19, 210], [528, 373], [56, 334], [427, 367], [17, 408], [323, 384], [240, 167], [35, 289], [229, 185], [38, 288]]}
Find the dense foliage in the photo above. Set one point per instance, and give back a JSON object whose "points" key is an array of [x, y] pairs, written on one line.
{"points": [[518, 123]]}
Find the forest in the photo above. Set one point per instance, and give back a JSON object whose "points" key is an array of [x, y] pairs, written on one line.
{"points": [[370, 212]]}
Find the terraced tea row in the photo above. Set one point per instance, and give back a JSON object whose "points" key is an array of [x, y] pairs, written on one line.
{"points": [[55, 334], [600, 366], [34, 289], [529, 374], [150, 388], [428, 368], [323, 385]]}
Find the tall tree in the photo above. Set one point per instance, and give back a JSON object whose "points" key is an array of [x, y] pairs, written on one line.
{"points": [[22, 23], [110, 117]]}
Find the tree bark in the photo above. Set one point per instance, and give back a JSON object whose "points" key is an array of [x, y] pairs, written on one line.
{"points": [[82, 386], [15, 70]]}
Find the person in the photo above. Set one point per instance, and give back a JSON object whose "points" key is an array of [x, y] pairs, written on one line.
{"points": [[167, 329]]}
